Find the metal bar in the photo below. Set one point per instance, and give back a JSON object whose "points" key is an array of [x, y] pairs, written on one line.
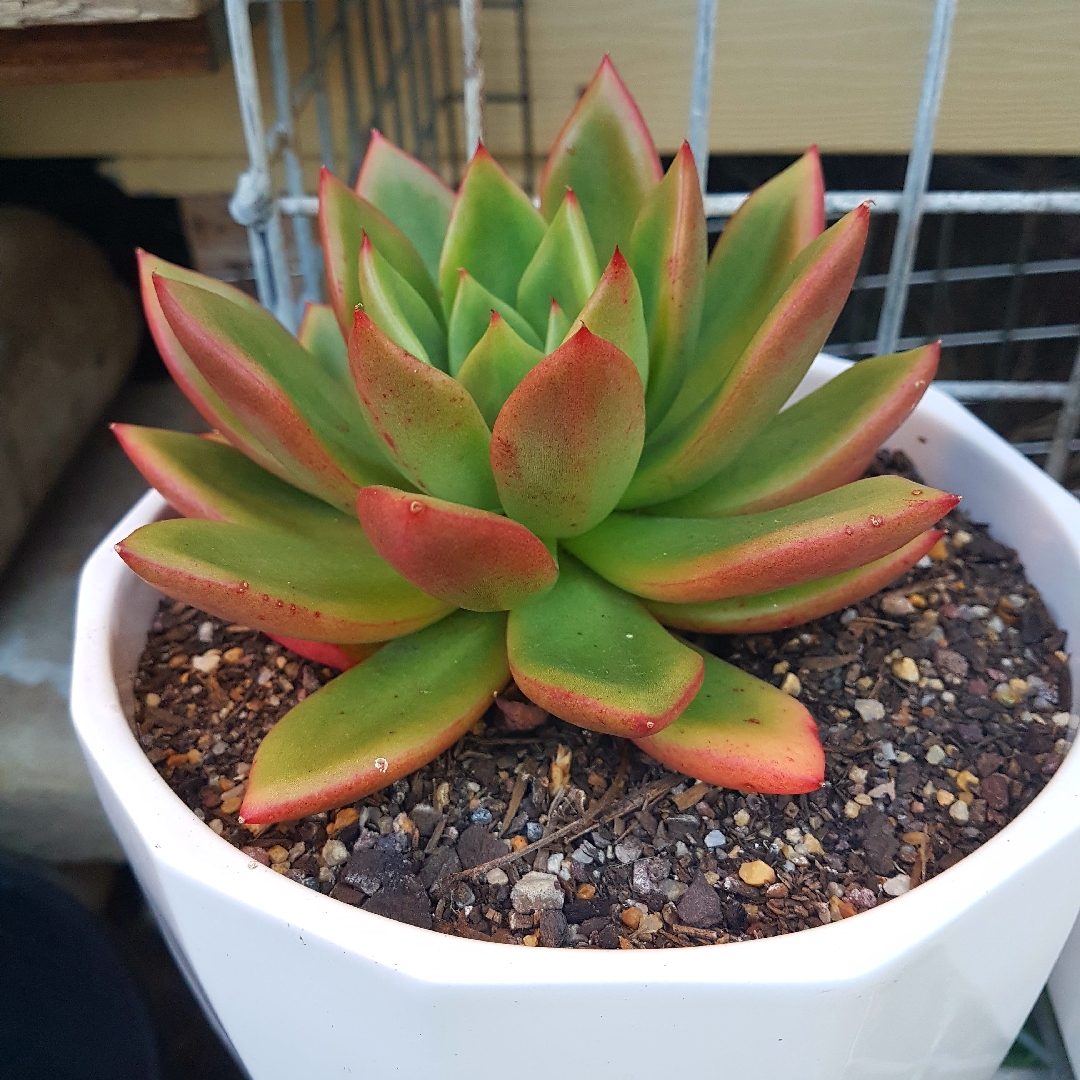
{"points": [[251, 204], [701, 89], [318, 68], [526, 98], [447, 82], [352, 106], [310, 264], [1043, 446], [473, 80], [934, 202], [916, 179], [1067, 425], [975, 390], [954, 341], [975, 273]]}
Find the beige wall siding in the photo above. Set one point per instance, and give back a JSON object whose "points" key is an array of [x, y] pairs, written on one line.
{"points": [[842, 73]]}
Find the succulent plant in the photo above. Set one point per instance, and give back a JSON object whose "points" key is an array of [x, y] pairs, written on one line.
{"points": [[523, 442]]}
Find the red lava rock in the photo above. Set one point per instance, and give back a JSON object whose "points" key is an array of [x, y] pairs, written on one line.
{"points": [[995, 790]]}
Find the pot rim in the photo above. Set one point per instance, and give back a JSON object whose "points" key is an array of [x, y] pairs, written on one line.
{"points": [[849, 949]]}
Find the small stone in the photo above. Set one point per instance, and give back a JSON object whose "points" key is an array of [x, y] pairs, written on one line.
{"points": [[648, 873], [935, 755], [896, 604], [650, 924], [812, 845], [552, 929], [851, 809], [861, 899], [945, 798], [713, 840], [278, 854], [742, 818], [207, 662], [906, 669], [631, 917], [939, 552], [700, 906], [671, 890], [791, 684], [897, 886], [206, 632], [481, 816], [334, 853], [518, 843], [966, 780], [586, 891], [497, 877], [537, 892], [869, 709], [530, 941], [628, 851], [959, 812], [757, 873], [857, 775], [233, 655], [476, 845], [533, 831], [995, 790]]}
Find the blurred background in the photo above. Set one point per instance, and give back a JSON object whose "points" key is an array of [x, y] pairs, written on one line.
{"points": [[120, 127]]}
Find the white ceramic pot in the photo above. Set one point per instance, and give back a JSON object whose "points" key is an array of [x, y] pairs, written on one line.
{"points": [[933, 985]]}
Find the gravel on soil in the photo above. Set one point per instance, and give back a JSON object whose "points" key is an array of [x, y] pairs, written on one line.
{"points": [[944, 706]]}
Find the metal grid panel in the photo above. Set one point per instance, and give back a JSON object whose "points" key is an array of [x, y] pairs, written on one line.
{"points": [[416, 114]]}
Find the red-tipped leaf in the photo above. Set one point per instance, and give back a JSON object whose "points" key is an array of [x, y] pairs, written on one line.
{"points": [[566, 442], [431, 426], [380, 721], [686, 560], [409, 194], [772, 365], [823, 441], [339, 657], [797, 604], [465, 557], [606, 154], [667, 251], [594, 656], [744, 734]]}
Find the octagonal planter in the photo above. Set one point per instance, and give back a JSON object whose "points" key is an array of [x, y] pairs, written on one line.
{"points": [[935, 984]]}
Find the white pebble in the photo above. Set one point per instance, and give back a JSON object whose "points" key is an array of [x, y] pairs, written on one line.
{"points": [[206, 632], [207, 662], [898, 885], [334, 853], [497, 877], [869, 709], [958, 811], [935, 755], [554, 863], [713, 840], [537, 892]]}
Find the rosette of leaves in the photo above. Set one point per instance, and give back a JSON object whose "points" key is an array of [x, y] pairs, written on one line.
{"points": [[525, 442]]}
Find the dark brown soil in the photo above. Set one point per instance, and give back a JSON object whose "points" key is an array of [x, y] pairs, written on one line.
{"points": [[944, 708]]}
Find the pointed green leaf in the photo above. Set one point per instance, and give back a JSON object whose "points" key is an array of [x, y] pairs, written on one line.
{"points": [[667, 252], [343, 220], [380, 721], [492, 371], [278, 581], [432, 427], [203, 478], [320, 334], [744, 734], [823, 441], [772, 365], [398, 310], [566, 442], [796, 604], [558, 329], [494, 232], [606, 154], [409, 194], [471, 317], [465, 557], [615, 313], [685, 560], [186, 375], [319, 435], [747, 274], [563, 269], [595, 657]]}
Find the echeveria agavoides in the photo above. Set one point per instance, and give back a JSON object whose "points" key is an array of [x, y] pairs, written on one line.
{"points": [[524, 442]]}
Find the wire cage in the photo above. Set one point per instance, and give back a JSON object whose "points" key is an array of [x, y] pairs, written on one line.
{"points": [[397, 66]]}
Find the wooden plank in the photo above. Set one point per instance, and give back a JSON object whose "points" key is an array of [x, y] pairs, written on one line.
{"points": [[108, 51], [18, 13]]}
